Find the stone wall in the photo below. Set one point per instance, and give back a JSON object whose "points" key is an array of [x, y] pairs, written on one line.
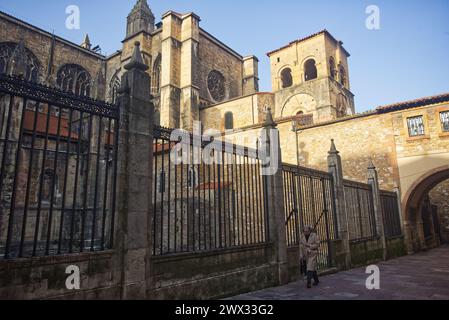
{"points": [[45, 278], [418, 156], [39, 43], [247, 111], [214, 57], [357, 139], [216, 274], [439, 196]]}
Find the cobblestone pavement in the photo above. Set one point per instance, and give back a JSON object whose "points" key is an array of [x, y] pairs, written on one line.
{"points": [[424, 276]]}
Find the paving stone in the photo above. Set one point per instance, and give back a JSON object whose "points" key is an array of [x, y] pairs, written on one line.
{"points": [[424, 276]]}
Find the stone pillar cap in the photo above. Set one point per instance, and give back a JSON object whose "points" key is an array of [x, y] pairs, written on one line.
{"points": [[333, 149], [136, 61]]}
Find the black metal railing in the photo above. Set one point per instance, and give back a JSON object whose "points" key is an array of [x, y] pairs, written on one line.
{"points": [[58, 156], [309, 200], [202, 205], [360, 211], [391, 214]]}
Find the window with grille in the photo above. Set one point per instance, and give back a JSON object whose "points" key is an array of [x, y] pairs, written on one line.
{"points": [[415, 126], [444, 117]]}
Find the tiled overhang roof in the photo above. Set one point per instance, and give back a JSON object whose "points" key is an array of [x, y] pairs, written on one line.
{"points": [[414, 103]]}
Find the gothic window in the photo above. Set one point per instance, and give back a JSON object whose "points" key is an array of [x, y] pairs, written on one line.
{"points": [[7, 50], [157, 117], [341, 106], [286, 78], [310, 70], [229, 121], [156, 76], [114, 86], [216, 86], [444, 117], [75, 79], [332, 68], [343, 76], [415, 126]]}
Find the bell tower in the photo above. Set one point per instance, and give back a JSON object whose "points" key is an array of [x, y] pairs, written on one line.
{"points": [[140, 19], [310, 76]]}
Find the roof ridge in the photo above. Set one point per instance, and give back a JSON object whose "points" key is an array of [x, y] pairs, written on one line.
{"points": [[443, 97], [323, 31]]}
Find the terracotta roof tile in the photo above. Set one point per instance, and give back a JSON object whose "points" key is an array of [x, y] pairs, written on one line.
{"points": [[414, 103], [41, 125]]}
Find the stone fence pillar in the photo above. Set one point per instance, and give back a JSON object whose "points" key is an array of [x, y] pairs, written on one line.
{"points": [[336, 170], [373, 180], [274, 196], [135, 159]]}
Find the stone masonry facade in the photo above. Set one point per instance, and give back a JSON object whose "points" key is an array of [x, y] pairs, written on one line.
{"points": [[196, 77]]}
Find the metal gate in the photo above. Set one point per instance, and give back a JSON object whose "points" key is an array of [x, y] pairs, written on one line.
{"points": [[58, 168], [309, 200]]}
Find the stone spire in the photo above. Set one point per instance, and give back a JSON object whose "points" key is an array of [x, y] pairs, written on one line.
{"points": [[86, 43], [136, 61], [333, 149], [140, 19], [269, 122]]}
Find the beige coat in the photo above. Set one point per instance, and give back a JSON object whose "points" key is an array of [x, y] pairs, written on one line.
{"points": [[309, 250]]}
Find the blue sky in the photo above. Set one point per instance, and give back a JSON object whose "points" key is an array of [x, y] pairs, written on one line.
{"points": [[406, 59]]}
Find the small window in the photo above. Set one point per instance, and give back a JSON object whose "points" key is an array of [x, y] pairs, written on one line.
{"points": [[343, 76], [444, 117], [310, 71], [415, 126], [332, 68], [229, 121], [114, 87], [286, 78]]}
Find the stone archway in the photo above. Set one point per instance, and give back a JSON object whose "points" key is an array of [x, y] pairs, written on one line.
{"points": [[419, 223], [301, 102]]}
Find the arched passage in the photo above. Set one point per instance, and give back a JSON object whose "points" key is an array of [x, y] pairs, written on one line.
{"points": [[422, 219]]}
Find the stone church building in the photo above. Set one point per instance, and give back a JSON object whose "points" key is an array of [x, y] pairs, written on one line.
{"points": [[196, 77]]}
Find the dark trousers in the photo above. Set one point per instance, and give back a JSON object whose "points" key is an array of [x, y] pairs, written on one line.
{"points": [[312, 275]]}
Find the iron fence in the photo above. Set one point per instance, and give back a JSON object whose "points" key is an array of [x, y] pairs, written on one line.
{"points": [[58, 167], [360, 211], [309, 200], [391, 214], [206, 205]]}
